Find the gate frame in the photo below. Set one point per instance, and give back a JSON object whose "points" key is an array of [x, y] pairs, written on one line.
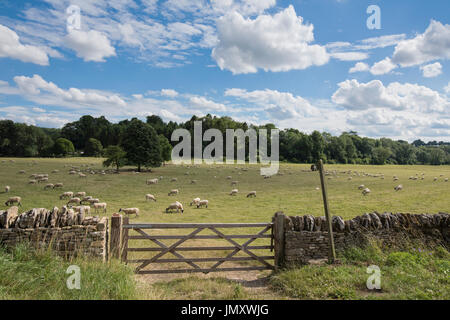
{"points": [[120, 227]]}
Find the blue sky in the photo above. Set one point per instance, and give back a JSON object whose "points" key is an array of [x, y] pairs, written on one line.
{"points": [[310, 65]]}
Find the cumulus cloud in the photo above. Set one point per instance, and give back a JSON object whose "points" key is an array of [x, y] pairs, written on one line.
{"points": [[90, 45], [273, 43], [433, 44], [359, 67], [396, 96], [203, 103], [169, 93], [382, 67], [279, 105], [350, 56], [10, 47], [431, 70]]}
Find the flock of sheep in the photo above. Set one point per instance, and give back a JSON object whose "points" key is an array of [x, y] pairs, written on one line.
{"points": [[80, 202]]}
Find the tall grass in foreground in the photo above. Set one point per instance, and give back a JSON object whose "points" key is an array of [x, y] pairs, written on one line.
{"points": [[413, 274], [27, 273]]}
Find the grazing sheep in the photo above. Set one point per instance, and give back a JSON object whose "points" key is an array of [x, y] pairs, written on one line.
{"points": [[350, 178], [361, 187], [58, 185], [55, 171], [149, 196], [234, 192], [82, 175], [22, 171], [74, 200], [173, 179], [398, 188], [92, 200], [173, 192], [251, 194], [366, 191], [7, 188], [42, 179], [446, 179], [193, 181], [100, 205], [81, 194], [435, 179], [229, 177], [152, 181], [234, 183], [129, 211], [195, 201], [13, 200], [202, 203], [176, 205], [49, 186], [86, 209], [68, 194]]}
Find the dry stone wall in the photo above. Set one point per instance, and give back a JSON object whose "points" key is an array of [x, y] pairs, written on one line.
{"points": [[306, 237], [66, 232]]}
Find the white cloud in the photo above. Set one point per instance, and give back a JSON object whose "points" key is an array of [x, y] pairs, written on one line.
{"points": [[10, 47], [359, 67], [433, 44], [396, 96], [90, 45], [169, 93], [447, 88], [431, 70], [203, 103], [382, 67], [350, 56], [279, 105], [273, 43]]}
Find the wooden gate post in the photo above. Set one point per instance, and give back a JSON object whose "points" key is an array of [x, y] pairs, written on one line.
{"points": [[124, 247], [332, 254], [116, 235], [278, 233]]}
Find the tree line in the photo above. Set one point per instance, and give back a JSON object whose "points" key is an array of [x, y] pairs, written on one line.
{"points": [[148, 143]]}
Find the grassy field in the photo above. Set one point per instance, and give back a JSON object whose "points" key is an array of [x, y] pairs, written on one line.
{"points": [[294, 192]]}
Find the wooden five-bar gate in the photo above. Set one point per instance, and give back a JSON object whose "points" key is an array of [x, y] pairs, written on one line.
{"points": [[153, 250]]}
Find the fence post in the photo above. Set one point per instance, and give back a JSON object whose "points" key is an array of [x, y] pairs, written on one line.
{"points": [[124, 246], [332, 254], [116, 235], [279, 240]]}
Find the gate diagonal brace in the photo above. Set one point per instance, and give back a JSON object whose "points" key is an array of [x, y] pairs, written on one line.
{"points": [[169, 249], [162, 245]]}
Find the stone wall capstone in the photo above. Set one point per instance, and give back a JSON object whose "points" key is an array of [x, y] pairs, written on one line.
{"points": [[66, 232], [306, 237]]}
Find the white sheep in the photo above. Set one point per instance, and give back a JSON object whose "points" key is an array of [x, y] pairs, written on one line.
{"points": [[58, 185], [195, 201], [234, 183], [49, 186], [74, 200], [149, 196], [202, 203], [13, 200], [176, 205], [81, 194], [173, 179], [234, 192], [361, 187], [446, 179], [82, 175], [93, 201], [129, 211], [68, 194], [152, 181], [398, 188], [366, 191], [86, 209], [173, 192], [100, 205], [32, 181], [251, 194], [55, 171], [193, 181], [7, 188]]}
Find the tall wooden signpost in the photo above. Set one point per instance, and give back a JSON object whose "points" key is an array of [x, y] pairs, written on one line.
{"points": [[332, 254]]}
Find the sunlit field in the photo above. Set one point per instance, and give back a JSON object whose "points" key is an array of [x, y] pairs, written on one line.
{"points": [[295, 191]]}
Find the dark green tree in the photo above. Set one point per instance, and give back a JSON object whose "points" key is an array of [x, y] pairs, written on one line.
{"points": [[166, 148], [115, 156], [63, 147], [141, 144], [93, 148]]}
